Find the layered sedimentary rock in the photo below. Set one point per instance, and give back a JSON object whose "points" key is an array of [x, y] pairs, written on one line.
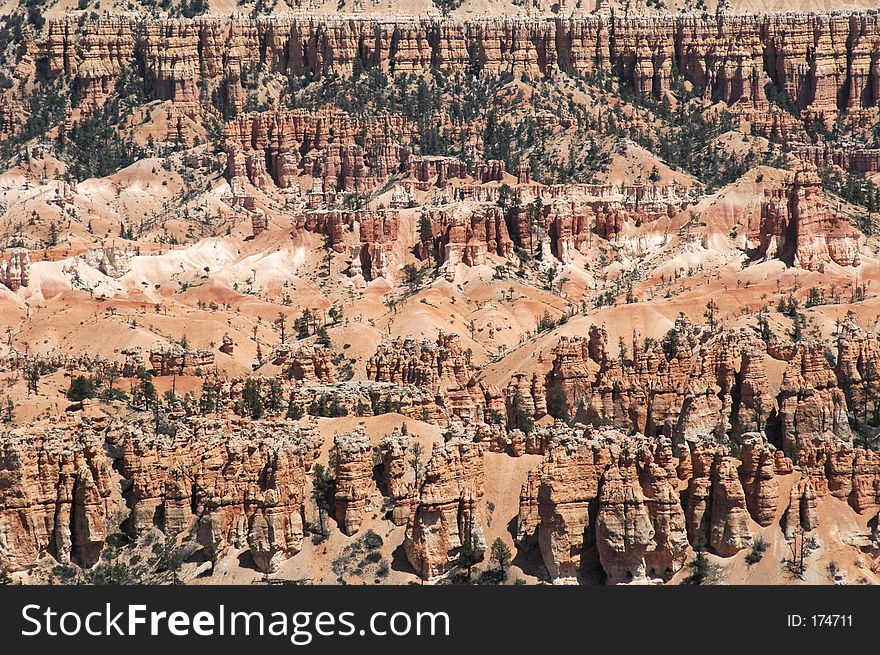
{"points": [[729, 529], [247, 485], [113, 262], [176, 360], [15, 271], [60, 495], [855, 159], [281, 393], [397, 475], [307, 363], [332, 224], [458, 235], [440, 366], [569, 378], [525, 400], [756, 403], [757, 474], [354, 479], [715, 507], [849, 473], [677, 389], [811, 405], [378, 234], [799, 226], [669, 551], [600, 501], [801, 513], [858, 369], [697, 383], [70, 485], [624, 531], [559, 505], [734, 57], [327, 145], [227, 345], [446, 516]]}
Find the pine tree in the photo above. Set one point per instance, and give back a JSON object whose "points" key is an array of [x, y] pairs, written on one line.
{"points": [[501, 555], [322, 489], [253, 404]]}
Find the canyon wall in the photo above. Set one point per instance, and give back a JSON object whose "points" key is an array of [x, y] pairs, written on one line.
{"points": [[696, 384], [823, 63], [799, 226], [228, 484], [602, 503]]}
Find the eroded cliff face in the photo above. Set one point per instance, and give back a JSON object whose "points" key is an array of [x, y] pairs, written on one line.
{"points": [[15, 271], [347, 153], [440, 366], [602, 502], [799, 226], [398, 477], [456, 235], [354, 479], [822, 63], [601, 505], [59, 493], [446, 516], [609, 504], [238, 485], [700, 384]]}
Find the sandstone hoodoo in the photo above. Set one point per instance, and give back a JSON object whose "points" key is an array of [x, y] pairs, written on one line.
{"points": [[450, 292], [180, 56], [238, 488], [446, 516], [354, 469], [799, 226]]}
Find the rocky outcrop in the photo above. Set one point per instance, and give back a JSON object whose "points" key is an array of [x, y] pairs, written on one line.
{"points": [[441, 366], [435, 170], [697, 383], [113, 262], [306, 363], [59, 495], [397, 475], [757, 474], [683, 387], [525, 401], [733, 57], [802, 513], [446, 516], [729, 529], [756, 403], [569, 381], [717, 516], [70, 484], [176, 360], [799, 226], [851, 474], [378, 234], [458, 235], [247, 484], [853, 158], [15, 271], [624, 530], [331, 223], [601, 502], [276, 147], [858, 370], [669, 545], [354, 479], [811, 406], [227, 345]]}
